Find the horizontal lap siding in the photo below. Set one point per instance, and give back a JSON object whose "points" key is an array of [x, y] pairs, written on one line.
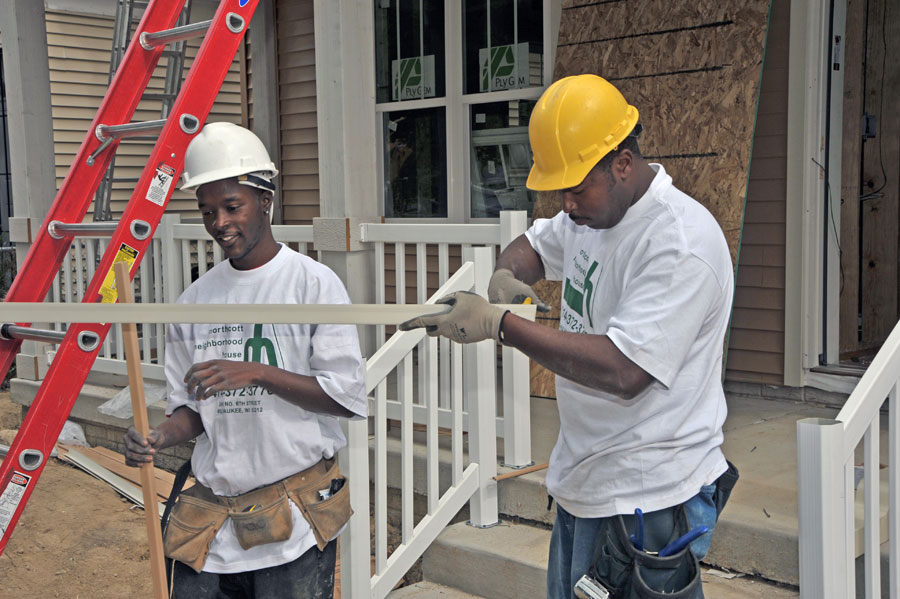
{"points": [[78, 46], [299, 183], [756, 344]]}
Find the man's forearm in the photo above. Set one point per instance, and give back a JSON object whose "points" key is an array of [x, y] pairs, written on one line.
{"points": [[183, 425], [590, 360], [522, 260], [301, 390]]}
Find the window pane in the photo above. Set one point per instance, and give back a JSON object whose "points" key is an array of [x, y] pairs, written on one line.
{"points": [[501, 158], [504, 44], [409, 49], [415, 163]]}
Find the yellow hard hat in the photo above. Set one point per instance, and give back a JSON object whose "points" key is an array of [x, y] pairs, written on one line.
{"points": [[577, 121]]}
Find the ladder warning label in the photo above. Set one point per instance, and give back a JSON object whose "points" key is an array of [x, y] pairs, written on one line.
{"points": [[160, 184], [126, 254], [10, 499]]}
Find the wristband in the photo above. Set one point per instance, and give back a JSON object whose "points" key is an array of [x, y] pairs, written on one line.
{"points": [[500, 328]]}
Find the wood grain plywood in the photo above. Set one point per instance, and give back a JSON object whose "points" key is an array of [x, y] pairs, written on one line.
{"points": [[693, 71]]}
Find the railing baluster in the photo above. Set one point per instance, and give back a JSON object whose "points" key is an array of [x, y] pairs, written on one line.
{"points": [[158, 329], [185, 264], [456, 394], [404, 380], [202, 257], [443, 342], [380, 334], [381, 480], [431, 401], [421, 296], [872, 518], [146, 284], [893, 494]]}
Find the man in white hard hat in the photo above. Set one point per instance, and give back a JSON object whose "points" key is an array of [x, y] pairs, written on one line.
{"points": [[262, 400], [647, 286]]}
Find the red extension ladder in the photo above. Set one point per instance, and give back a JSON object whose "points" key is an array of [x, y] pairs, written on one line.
{"points": [[130, 237]]}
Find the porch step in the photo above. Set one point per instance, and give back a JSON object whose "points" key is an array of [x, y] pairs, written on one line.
{"points": [[508, 561], [430, 590]]}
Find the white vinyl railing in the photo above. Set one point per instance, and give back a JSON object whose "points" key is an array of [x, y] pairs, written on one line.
{"points": [[473, 483], [516, 419], [178, 254], [826, 487]]}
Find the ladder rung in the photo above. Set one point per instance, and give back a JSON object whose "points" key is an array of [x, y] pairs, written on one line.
{"points": [[87, 340], [12, 331], [158, 96], [176, 34], [58, 230], [105, 132]]}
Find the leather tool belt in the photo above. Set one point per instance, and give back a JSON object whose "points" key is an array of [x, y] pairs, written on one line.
{"points": [[259, 516]]}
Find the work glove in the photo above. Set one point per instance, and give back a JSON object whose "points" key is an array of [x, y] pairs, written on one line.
{"points": [[470, 319], [505, 288]]}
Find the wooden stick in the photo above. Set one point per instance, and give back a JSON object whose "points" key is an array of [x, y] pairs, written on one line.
{"points": [[142, 424], [520, 472]]}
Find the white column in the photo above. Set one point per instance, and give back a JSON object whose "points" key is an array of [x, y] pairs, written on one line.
{"points": [[822, 496], [480, 380], [30, 125], [345, 102], [516, 372]]}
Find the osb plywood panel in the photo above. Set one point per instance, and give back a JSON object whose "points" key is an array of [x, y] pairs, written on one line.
{"points": [[693, 72]]}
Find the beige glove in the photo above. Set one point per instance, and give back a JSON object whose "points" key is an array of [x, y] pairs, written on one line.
{"points": [[505, 288], [470, 320]]}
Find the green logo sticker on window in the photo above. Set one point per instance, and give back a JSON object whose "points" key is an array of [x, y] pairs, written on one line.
{"points": [[412, 78], [508, 67]]}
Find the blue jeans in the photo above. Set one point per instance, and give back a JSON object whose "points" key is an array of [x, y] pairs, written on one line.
{"points": [[310, 576], [574, 539]]}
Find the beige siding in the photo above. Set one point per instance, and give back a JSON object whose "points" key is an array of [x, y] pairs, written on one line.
{"points": [[79, 46], [297, 109], [756, 345]]}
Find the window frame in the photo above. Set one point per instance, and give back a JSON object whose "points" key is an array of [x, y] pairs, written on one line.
{"points": [[457, 108]]}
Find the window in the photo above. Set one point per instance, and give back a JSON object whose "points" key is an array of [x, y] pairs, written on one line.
{"points": [[456, 81]]}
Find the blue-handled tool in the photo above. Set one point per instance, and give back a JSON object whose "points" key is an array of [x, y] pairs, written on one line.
{"points": [[683, 541], [637, 539]]}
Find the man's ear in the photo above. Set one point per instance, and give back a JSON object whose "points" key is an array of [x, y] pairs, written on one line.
{"points": [[622, 163], [265, 200]]}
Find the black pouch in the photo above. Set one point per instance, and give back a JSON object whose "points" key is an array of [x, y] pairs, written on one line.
{"points": [[724, 486], [628, 573]]}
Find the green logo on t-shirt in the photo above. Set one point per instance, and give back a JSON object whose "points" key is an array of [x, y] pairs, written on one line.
{"points": [[254, 347]]}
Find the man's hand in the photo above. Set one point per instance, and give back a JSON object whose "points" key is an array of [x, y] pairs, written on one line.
{"points": [[205, 379], [505, 288], [471, 319], [140, 450]]}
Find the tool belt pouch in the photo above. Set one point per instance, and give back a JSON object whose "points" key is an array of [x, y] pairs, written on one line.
{"points": [[631, 574], [262, 516], [328, 516], [191, 529], [724, 486]]}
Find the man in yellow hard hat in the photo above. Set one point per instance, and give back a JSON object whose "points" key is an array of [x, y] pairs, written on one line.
{"points": [[646, 295]]}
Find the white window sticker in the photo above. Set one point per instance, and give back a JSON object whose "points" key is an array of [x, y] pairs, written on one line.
{"points": [[158, 190], [10, 499]]}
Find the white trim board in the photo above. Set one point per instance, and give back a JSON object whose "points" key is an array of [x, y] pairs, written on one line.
{"points": [[391, 314]]}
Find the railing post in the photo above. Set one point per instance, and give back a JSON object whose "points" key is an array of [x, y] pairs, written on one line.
{"points": [[481, 391], [354, 463], [516, 372], [824, 531], [171, 264]]}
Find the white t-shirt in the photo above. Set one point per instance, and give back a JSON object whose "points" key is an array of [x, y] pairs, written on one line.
{"points": [[659, 284], [253, 438]]}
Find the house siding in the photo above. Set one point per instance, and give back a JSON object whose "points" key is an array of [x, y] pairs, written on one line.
{"points": [[78, 47], [296, 49], [756, 341]]}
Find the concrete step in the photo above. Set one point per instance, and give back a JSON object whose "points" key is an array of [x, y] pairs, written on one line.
{"points": [[430, 590], [507, 561]]}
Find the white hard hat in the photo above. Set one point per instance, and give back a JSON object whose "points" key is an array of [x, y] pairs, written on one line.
{"points": [[225, 150]]}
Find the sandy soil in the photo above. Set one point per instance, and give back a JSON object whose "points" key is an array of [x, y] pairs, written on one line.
{"points": [[77, 538]]}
